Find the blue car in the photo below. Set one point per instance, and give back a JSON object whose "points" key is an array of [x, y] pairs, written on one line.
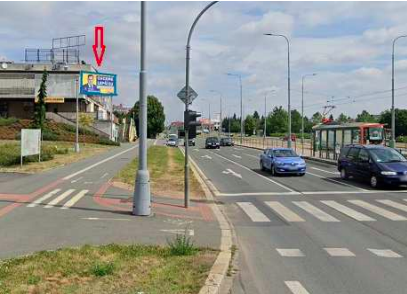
{"points": [[282, 161], [376, 163]]}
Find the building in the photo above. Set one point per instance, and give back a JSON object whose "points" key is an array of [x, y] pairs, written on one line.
{"points": [[20, 82]]}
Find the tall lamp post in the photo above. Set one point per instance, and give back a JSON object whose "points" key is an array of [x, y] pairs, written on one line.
{"points": [[302, 109], [265, 116], [241, 104], [288, 85], [220, 110], [142, 196], [393, 113], [77, 117]]}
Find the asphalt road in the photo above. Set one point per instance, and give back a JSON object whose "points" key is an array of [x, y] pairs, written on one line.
{"points": [[76, 204], [315, 234]]}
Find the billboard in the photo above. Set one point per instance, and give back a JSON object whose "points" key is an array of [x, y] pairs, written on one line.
{"points": [[99, 84]]}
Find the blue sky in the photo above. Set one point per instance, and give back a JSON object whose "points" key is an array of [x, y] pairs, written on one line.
{"points": [[348, 45]]}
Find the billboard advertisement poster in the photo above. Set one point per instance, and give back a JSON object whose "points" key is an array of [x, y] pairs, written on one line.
{"points": [[99, 84], [30, 143]]}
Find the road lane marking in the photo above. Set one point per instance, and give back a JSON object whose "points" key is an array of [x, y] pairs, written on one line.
{"points": [[257, 194], [256, 157], [237, 156], [104, 175], [59, 198], [76, 180], [393, 204], [253, 212], [231, 172], [206, 156], [315, 211], [43, 198], [246, 168], [325, 171], [296, 287], [196, 149], [179, 232], [290, 252], [385, 253], [98, 163], [239, 149], [339, 252], [74, 199], [335, 181], [284, 212], [348, 211], [378, 210]]}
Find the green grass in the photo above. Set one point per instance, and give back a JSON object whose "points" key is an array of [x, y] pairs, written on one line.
{"points": [[107, 269], [8, 121]]}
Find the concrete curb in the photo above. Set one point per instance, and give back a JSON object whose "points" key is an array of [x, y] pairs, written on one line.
{"points": [[219, 270]]}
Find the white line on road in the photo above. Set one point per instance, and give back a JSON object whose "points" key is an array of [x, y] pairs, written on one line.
{"points": [[325, 171], [74, 199], [237, 148], [348, 211], [393, 204], [231, 172], [284, 212], [59, 198], [335, 181], [380, 211], [315, 211], [296, 287], [104, 175], [237, 156], [246, 168], [256, 157], [290, 252], [339, 252], [258, 194], [206, 156], [108, 219], [98, 163], [253, 212], [179, 232], [385, 253], [43, 198], [76, 180]]}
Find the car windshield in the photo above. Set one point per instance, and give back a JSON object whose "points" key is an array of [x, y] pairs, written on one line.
{"points": [[212, 140], [386, 155], [226, 140], [172, 139], [285, 153]]}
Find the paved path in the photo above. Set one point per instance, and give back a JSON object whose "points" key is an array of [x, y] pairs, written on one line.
{"points": [[315, 234]]}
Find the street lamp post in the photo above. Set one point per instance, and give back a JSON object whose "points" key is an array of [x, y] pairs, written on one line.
{"points": [[241, 104], [288, 86], [393, 113], [77, 117], [220, 110], [187, 59], [302, 109]]}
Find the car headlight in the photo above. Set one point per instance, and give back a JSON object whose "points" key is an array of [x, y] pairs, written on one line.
{"points": [[388, 173]]}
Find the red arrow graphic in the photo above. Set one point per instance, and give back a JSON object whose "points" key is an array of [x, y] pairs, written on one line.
{"points": [[99, 48]]}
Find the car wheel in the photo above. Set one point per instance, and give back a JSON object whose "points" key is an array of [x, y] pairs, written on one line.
{"points": [[273, 171], [302, 174], [262, 166], [374, 182], [344, 174]]}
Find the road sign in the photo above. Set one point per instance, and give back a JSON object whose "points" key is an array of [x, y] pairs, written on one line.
{"points": [[183, 93]]}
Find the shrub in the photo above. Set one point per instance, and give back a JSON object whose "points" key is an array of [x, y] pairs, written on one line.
{"points": [[8, 121], [10, 154], [48, 135], [102, 269], [182, 245], [106, 141]]}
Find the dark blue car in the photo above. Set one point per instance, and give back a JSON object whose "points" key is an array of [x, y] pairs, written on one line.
{"points": [[282, 161], [376, 163]]}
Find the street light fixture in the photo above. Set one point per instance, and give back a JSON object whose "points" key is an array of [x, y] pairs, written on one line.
{"points": [[288, 85], [220, 109], [241, 104], [302, 109], [393, 113]]}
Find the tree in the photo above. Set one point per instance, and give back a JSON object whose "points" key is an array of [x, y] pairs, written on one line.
{"points": [[316, 118], [342, 118], [295, 121], [401, 121], [365, 117], [155, 116], [256, 115], [39, 107], [277, 121], [249, 125]]}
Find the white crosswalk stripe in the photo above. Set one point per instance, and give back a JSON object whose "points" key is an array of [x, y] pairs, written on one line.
{"points": [[348, 211], [43, 198], [385, 253], [339, 252], [315, 211], [296, 287], [59, 198], [284, 212], [253, 212], [393, 204], [74, 199], [378, 210], [290, 252]]}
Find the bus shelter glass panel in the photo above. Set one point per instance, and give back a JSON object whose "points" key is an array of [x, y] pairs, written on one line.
{"points": [[339, 141], [331, 144], [323, 139], [355, 136], [347, 137]]}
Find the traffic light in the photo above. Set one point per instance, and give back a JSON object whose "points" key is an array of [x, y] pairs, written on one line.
{"points": [[190, 122]]}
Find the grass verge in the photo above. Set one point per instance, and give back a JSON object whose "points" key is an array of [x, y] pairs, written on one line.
{"points": [[118, 269], [166, 166], [55, 154]]}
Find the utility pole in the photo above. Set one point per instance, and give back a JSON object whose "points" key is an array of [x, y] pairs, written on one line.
{"points": [[77, 116], [142, 196], [187, 102]]}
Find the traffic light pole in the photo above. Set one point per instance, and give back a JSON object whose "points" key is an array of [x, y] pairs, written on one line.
{"points": [[187, 102]]}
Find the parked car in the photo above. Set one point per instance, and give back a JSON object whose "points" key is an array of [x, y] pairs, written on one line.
{"points": [[212, 142], [282, 161], [293, 138], [205, 131], [173, 142], [376, 163], [226, 142], [191, 142]]}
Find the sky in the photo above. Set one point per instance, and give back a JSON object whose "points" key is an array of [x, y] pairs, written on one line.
{"points": [[347, 44]]}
